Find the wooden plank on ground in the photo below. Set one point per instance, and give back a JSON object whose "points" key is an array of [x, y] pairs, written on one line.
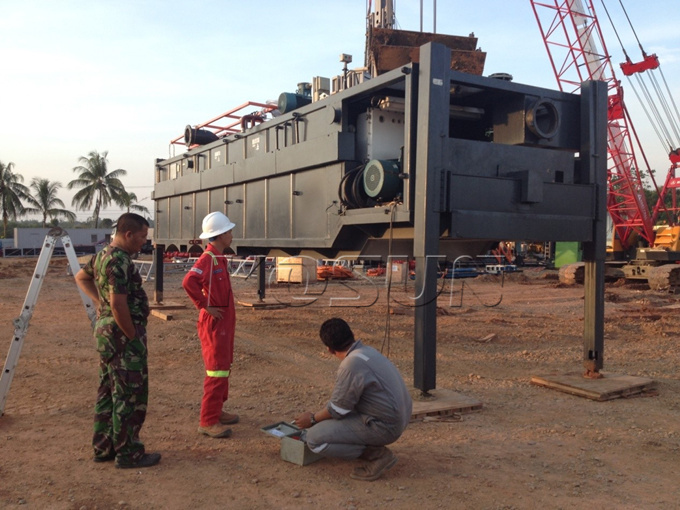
{"points": [[608, 387], [443, 402], [261, 304], [161, 315], [166, 305]]}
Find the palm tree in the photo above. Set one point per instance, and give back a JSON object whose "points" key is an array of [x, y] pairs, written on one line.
{"points": [[46, 202], [99, 186], [12, 192], [129, 201]]}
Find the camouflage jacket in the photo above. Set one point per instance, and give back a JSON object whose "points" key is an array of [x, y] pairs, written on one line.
{"points": [[114, 272]]}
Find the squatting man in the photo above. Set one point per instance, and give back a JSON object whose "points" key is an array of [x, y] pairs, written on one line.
{"points": [[369, 408]]}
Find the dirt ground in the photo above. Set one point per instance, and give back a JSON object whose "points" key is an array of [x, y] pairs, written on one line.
{"points": [[527, 448]]}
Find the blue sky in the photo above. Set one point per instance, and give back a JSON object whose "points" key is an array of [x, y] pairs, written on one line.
{"points": [[127, 76]]}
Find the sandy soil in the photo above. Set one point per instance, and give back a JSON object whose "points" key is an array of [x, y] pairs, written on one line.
{"points": [[528, 447]]}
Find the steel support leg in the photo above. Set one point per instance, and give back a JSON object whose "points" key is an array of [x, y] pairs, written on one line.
{"points": [[159, 254], [261, 276], [594, 170], [432, 132]]}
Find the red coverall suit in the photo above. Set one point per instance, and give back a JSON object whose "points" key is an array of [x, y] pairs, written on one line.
{"points": [[207, 284]]}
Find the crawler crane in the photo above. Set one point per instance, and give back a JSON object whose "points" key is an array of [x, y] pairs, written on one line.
{"points": [[576, 47]]}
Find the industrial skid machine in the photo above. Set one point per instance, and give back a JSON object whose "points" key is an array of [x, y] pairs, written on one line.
{"points": [[411, 156]]}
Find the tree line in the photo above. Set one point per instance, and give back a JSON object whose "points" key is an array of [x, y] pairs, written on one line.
{"points": [[97, 187]]}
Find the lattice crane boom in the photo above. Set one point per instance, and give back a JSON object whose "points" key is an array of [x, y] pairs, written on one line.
{"points": [[577, 50]]}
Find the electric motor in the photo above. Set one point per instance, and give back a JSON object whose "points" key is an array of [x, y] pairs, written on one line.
{"points": [[381, 179]]}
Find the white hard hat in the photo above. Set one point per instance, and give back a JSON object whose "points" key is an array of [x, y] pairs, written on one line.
{"points": [[215, 224]]}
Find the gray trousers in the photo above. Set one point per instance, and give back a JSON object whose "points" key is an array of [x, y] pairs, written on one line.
{"points": [[347, 438]]}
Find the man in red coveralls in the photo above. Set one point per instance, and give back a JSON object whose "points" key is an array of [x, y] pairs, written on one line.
{"points": [[207, 284]]}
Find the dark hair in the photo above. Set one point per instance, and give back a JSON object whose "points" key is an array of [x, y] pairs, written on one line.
{"points": [[336, 334], [131, 222]]}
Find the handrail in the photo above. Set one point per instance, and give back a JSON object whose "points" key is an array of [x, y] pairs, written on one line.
{"points": [[233, 116]]}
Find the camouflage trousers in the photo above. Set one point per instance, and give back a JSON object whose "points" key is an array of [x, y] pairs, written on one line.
{"points": [[123, 392]]}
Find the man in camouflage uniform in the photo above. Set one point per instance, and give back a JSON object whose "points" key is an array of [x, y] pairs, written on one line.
{"points": [[112, 281]]}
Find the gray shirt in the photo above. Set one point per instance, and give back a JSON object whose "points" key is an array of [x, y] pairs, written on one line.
{"points": [[369, 384]]}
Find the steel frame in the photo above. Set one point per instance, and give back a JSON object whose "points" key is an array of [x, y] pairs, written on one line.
{"points": [[459, 185]]}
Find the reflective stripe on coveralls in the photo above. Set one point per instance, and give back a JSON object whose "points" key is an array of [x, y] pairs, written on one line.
{"points": [[215, 263], [214, 257], [218, 373]]}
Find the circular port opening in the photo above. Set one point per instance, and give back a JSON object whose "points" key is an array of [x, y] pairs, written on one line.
{"points": [[543, 119]]}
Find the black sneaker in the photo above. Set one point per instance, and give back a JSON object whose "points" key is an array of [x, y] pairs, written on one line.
{"points": [[146, 460], [105, 458]]}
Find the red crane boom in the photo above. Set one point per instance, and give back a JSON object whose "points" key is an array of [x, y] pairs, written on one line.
{"points": [[577, 51]]}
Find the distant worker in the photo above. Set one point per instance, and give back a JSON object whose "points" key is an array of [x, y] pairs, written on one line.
{"points": [[113, 283], [369, 408], [207, 284]]}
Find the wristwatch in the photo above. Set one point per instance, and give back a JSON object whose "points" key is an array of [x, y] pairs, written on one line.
{"points": [[312, 420]]}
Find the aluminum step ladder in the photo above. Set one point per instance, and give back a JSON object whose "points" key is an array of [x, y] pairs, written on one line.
{"points": [[21, 323]]}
